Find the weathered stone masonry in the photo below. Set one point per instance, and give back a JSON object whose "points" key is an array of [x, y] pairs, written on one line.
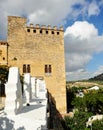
{"points": [[40, 51]]}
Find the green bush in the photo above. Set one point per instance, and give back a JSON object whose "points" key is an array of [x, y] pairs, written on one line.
{"points": [[97, 125]]}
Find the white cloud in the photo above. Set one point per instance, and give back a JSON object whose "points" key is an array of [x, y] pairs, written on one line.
{"points": [[81, 74], [98, 71], [79, 30], [36, 11], [76, 61], [87, 9], [78, 75], [93, 9], [81, 42], [54, 12]]}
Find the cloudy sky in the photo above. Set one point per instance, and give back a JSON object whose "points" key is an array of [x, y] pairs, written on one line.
{"points": [[83, 25]]}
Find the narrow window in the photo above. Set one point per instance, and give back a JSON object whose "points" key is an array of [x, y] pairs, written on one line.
{"points": [[24, 68], [3, 58], [40, 31], [28, 68], [57, 33], [34, 31], [28, 30], [48, 69], [46, 32]]}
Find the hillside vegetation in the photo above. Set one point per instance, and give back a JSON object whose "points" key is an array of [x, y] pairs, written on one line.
{"points": [[84, 103], [95, 81], [98, 77]]}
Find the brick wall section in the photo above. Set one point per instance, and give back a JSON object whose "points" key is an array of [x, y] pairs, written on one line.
{"points": [[39, 49]]}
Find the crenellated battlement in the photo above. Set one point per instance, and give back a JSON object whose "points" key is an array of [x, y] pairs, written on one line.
{"points": [[44, 29], [3, 43], [37, 26], [18, 23]]}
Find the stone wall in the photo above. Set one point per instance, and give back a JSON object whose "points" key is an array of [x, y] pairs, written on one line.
{"points": [[3, 52]]}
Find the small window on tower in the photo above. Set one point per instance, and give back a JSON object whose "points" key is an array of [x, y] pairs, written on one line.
{"points": [[48, 69], [24, 68], [40, 31], [28, 30], [46, 32], [52, 32], [28, 68], [34, 31], [57, 33], [3, 58]]}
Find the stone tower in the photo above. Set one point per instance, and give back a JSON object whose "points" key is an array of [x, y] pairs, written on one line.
{"points": [[39, 51]]}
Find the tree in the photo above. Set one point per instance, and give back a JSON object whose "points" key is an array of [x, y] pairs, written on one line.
{"points": [[78, 122], [69, 122], [71, 96], [4, 73], [90, 104], [94, 101], [79, 103], [97, 125]]}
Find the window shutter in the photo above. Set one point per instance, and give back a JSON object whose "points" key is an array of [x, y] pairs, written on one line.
{"points": [[46, 69], [24, 68], [49, 68], [28, 68]]}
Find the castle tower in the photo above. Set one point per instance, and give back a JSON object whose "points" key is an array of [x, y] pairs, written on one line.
{"points": [[39, 51]]}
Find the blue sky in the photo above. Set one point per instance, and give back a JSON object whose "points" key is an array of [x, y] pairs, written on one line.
{"points": [[97, 21], [83, 25], [95, 65], [95, 62]]}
